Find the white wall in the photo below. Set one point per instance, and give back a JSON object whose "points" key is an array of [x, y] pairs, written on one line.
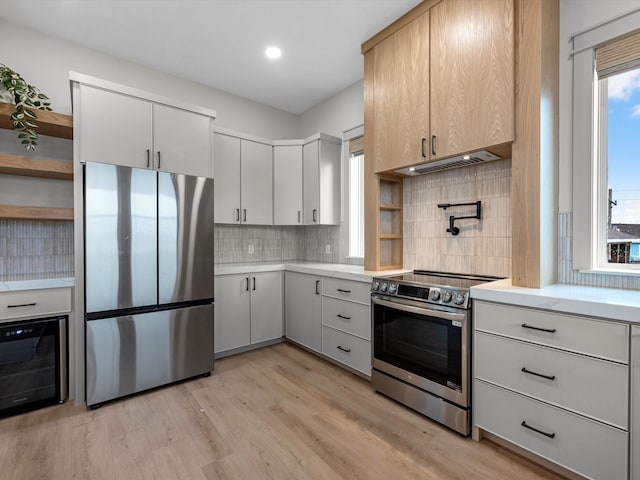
{"points": [[575, 16], [340, 112], [45, 62]]}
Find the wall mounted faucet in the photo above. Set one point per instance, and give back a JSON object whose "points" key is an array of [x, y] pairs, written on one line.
{"points": [[453, 230]]}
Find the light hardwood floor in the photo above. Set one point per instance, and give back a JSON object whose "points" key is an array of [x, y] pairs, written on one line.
{"points": [[274, 413]]}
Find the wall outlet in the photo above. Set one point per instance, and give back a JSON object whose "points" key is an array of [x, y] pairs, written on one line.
{"points": [[251, 250], [327, 249]]}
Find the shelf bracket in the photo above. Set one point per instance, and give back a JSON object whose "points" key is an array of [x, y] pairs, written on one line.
{"points": [[453, 230]]}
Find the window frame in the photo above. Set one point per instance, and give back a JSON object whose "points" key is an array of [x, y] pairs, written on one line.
{"points": [[347, 136], [589, 172]]}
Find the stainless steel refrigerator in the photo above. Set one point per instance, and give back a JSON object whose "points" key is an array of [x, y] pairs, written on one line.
{"points": [[148, 279]]}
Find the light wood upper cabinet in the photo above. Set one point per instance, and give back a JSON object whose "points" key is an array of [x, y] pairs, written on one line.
{"points": [[401, 96], [472, 75]]}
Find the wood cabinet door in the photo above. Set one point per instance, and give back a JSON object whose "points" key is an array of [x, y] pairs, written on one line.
{"points": [[114, 128], [401, 97], [472, 75], [181, 141], [303, 310], [232, 325], [256, 183], [226, 171], [287, 184], [267, 312]]}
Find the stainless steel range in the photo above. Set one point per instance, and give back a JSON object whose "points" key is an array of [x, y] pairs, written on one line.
{"points": [[421, 355]]}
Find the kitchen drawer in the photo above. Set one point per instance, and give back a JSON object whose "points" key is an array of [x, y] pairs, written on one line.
{"points": [[594, 337], [347, 289], [593, 387], [585, 446], [348, 349], [354, 318], [34, 303]]}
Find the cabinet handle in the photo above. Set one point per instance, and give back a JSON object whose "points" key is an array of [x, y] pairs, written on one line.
{"points": [[550, 435], [244, 214], [148, 157], [343, 316], [343, 291], [347, 350], [254, 284], [158, 159], [238, 215], [298, 216], [540, 329], [548, 377], [22, 305], [317, 287], [433, 145], [247, 287], [423, 141], [315, 215]]}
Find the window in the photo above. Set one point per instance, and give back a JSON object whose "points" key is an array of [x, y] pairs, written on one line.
{"points": [[356, 197], [606, 146]]}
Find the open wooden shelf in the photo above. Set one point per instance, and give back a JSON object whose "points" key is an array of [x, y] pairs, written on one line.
{"points": [[390, 236], [35, 213], [52, 124], [390, 206], [29, 167], [49, 123]]}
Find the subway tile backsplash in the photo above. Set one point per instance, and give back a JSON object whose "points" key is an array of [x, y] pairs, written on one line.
{"points": [[482, 246], [31, 249]]}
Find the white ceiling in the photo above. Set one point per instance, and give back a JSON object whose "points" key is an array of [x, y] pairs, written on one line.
{"points": [[221, 43]]}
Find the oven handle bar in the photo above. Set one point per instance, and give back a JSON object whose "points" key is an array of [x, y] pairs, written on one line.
{"points": [[460, 317]]}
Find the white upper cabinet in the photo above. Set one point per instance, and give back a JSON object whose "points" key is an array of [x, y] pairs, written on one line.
{"points": [[114, 128], [181, 141], [125, 129], [287, 184], [226, 172], [243, 171], [321, 184]]}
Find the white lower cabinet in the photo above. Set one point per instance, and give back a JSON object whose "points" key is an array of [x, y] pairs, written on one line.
{"points": [[635, 402], [587, 447], [554, 384], [248, 310], [346, 323], [303, 310]]}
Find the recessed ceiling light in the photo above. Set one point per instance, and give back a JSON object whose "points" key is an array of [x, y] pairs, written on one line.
{"points": [[467, 157], [273, 52], [412, 169]]}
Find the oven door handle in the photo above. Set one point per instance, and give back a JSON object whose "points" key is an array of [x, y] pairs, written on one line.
{"points": [[459, 317]]}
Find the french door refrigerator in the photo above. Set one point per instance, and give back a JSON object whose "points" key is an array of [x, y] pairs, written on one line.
{"points": [[148, 279]]}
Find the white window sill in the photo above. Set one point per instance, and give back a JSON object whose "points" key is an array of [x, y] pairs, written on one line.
{"points": [[632, 271]]}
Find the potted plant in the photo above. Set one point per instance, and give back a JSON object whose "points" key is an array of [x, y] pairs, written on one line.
{"points": [[27, 99]]}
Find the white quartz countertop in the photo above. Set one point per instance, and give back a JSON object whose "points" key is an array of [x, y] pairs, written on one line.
{"points": [[40, 284], [335, 270], [609, 303]]}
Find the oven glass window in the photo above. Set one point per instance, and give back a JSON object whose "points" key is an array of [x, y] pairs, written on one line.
{"points": [[426, 346]]}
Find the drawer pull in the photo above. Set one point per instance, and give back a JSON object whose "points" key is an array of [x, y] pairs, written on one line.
{"points": [[343, 316], [540, 329], [22, 305], [347, 350], [343, 291], [548, 377], [550, 435]]}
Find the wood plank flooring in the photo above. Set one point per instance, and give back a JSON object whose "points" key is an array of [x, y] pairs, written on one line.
{"points": [[275, 413]]}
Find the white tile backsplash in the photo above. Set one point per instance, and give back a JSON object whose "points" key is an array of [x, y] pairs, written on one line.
{"points": [[483, 246]]}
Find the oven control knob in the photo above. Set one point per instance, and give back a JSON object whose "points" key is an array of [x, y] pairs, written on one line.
{"points": [[447, 297], [435, 295], [393, 288], [376, 286], [459, 299], [383, 287]]}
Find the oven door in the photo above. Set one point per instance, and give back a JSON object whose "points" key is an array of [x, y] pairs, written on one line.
{"points": [[422, 346]]}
